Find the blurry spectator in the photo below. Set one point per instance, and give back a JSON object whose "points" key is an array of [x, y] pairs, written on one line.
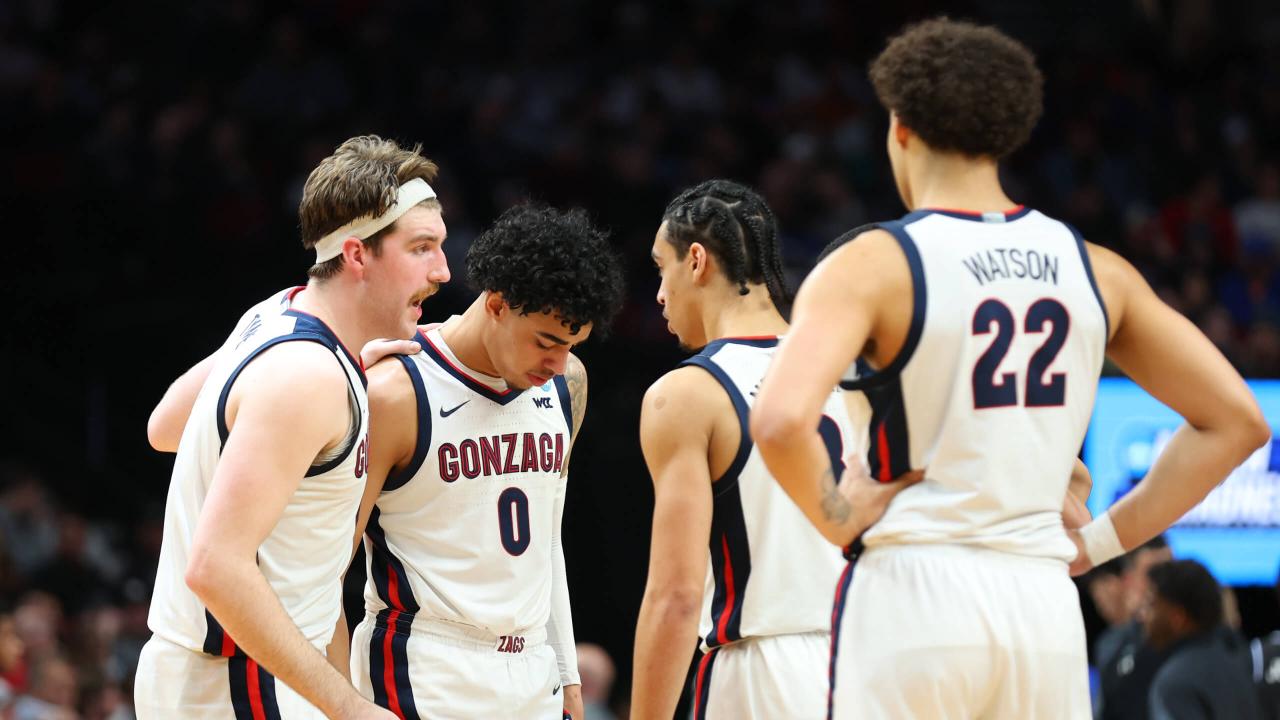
{"points": [[52, 693], [597, 672], [1205, 673], [1126, 662], [1258, 217], [27, 519], [1265, 656], [11, 651]]}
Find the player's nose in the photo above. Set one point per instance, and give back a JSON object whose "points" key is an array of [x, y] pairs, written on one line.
{"points": [[439, 272]]}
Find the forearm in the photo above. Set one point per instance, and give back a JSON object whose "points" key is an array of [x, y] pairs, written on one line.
{"points": [[573, 701], [666, 637], [339, 651], [799, 462], [1192, 464], [560, 622], [237, 594]]}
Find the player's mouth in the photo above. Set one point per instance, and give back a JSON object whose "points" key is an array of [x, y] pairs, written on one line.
{"points": [[420, 297], [537, 380]]}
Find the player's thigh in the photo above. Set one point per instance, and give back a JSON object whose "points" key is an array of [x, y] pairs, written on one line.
{"points": [[461, 680], [911, 639], [1044, 667], [770, 677]]}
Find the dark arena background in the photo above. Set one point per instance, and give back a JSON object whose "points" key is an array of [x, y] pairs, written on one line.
{"points": [[153, 157]]}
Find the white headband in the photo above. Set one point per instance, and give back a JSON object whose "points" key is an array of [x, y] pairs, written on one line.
{"points": [[411, 193]]}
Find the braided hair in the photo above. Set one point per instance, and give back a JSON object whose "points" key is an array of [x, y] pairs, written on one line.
{"points": [[733, 222]]}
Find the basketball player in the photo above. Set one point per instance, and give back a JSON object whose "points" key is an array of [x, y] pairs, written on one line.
{"points": [[270, 467], [981, 326], [467, 605], [765, 613]]}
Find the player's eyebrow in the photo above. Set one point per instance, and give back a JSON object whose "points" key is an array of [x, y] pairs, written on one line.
{"points": [[553, 338]]}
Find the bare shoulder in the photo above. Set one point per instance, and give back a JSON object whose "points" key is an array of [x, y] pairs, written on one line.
{"points": [[389, 384], [298, 366], [1118, 281], [872, 259], [293, 385], [575, 376], [684, 403]]}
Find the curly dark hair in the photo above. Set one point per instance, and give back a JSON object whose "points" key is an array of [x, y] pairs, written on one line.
{"points": [[544, 260], [737, 226], [961, 87], [1190, 586]]}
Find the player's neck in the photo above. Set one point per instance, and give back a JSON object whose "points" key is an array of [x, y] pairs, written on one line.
{"points": [[321, 299], [953, 182], [750, 315], [464, 334]]}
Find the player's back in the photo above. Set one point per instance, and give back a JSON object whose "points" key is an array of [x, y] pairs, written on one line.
{"points": [[771, 572], [305, 554], [994, 386], [463, 534]]}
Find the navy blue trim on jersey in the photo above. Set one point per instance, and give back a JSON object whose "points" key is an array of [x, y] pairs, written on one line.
{"points": [[310, 323], [216, 639], [1020, 212], [397, 479], [307, 336], [702, 685], [730, 552], [475, 386], [562, 388], [1093, 281], [919, 303], [704, 361], [385, 569], [837, 613], [889, 451], [712, 347], [245, 695]]}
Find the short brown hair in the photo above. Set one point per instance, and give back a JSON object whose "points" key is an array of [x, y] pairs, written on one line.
{"points": [[362, 177], [961, 87]]}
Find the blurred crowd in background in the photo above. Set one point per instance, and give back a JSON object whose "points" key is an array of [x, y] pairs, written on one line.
{"points": [[152, 164]]}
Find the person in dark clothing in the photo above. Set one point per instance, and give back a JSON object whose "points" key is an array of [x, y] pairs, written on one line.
{"points": [[1205, 673], [1264, 656], [1126, 663]]}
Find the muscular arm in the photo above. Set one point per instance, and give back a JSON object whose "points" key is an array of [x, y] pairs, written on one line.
{"points": [[1171, 359], [835, 314], [286, 407], [560, 623], [676, 421], [169, 418], [393, 434]]}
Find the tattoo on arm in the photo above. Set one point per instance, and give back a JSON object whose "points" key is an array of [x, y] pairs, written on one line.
{"points": [[575, 376], [834, 506]]}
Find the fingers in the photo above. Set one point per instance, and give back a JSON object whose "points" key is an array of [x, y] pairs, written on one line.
{"points": [[378, 349]]}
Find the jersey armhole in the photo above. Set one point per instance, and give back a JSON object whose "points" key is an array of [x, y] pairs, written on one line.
{"points": [[1093, 281], [422, 444], [562, 389], [919, 305], [740, 408]]}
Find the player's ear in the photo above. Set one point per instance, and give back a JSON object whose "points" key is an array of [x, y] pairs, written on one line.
{"points": [[355, 255], [698, 260], [494, 304], [901, 133]]}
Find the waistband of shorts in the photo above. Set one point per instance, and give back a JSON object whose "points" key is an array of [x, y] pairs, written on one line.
{"points": [[944, 551], [459, 634]]}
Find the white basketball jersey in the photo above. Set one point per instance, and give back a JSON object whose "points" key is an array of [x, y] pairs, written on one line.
{"points": [[463, 533], [771, 572], [993, 389], [305, 555]]}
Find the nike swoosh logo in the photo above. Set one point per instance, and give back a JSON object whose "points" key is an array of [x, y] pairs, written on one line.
{"points": [[446, 413], [556, 690]]}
